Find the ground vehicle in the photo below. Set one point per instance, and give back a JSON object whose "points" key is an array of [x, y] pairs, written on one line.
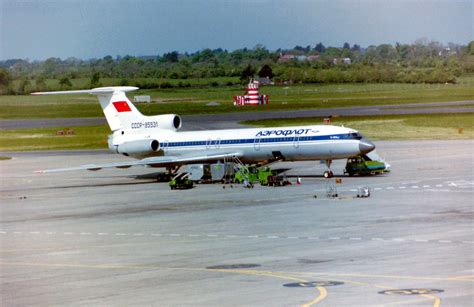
{"points": [[363, 192], [363, 165], [181, 181], [276, 181], [253, 174]]}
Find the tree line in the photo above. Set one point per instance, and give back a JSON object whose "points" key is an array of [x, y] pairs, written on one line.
{"points": [[421, 62]]}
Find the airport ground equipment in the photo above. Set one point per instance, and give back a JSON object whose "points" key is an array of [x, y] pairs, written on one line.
{"points": [[363, 165], [209, 173], [277, 181], [164, 177], [181, 181], [363, 192], [253, 174], [331, 189]]}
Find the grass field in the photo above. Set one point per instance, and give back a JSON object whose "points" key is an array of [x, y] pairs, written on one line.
{"points": [[195, 100], [393, 127], [92, 137]]}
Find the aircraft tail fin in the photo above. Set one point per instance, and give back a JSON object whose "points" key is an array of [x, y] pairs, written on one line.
{"points": [[118, 109]]}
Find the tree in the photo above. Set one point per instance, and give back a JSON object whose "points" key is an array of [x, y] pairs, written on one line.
{"points": [[24, 82], [5, 78], [40, 83], [171, 57], [320, 48], [386, 52], [266, 72], [470, 48], [65, 82], [247, 73], [95, 80], [206, 55], [346, 46]]}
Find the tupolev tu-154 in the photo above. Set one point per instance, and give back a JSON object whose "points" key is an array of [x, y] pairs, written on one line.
{"points": [[157, 141]]}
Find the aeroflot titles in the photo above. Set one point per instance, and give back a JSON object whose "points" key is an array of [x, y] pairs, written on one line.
{"points": [[283, 132]]}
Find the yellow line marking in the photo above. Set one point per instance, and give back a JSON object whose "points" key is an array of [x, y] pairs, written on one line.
{"points": [[322, 291], [418, 300], [322, 295], [314, 274], [436, 300], [464, 278]]}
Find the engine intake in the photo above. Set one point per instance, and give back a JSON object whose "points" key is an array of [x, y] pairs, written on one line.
{"points": [[139, 147]]}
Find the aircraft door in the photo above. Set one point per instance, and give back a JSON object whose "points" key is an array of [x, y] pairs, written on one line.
{"points": [[256, 143], [296, 142]]}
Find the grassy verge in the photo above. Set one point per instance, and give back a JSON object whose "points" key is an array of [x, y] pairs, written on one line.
{"points": [[93, 137], [195, 100], [394, 127]]}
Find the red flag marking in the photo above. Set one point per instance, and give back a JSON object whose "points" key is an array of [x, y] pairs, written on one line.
{"points": [[122, 106]]}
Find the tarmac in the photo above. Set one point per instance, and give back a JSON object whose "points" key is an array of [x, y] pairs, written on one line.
{"points": [[117, 237]]}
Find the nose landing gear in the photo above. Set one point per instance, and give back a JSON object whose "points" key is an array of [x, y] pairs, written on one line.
{"points": [[328, 173]]}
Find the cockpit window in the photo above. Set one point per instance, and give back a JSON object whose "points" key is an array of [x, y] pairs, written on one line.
{"points": [[356, 135]]}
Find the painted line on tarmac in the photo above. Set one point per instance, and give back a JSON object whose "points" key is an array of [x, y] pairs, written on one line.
{"points": [[4, 233], [453, 185]]}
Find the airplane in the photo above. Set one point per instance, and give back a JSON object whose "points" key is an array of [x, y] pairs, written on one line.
{"points": [[156, 141]]}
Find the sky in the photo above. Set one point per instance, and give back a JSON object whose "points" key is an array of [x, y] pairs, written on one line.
{"points": [[39, 29]]}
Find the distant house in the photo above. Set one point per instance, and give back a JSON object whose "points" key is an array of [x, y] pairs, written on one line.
{"points": [[345, 61], [302, 58], [265, 81], [286, 57], [447, 52]]}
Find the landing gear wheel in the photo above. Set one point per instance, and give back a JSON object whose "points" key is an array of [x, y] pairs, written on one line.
{"points": [[328, 174]]}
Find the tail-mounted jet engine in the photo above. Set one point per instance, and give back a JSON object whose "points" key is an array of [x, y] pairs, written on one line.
{"points": [[168, 121], [139, 147]]}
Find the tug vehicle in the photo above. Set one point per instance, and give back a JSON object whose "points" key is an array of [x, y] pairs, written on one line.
{"points": [[363, 165], [181, 181]]}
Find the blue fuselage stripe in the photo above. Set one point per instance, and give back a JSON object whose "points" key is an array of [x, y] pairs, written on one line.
{"points": [[260, 140]]}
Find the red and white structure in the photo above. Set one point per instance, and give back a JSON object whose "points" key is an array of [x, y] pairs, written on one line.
{"points": [[251, 97]]}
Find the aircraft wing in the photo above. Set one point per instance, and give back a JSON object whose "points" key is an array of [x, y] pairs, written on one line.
{"points": [[152, 161]]}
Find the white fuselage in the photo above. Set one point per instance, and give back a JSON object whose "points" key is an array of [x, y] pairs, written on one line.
{"points": [[319, 142]]}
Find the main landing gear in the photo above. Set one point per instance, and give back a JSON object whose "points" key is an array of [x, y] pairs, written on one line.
{"points": [[328, 173]]}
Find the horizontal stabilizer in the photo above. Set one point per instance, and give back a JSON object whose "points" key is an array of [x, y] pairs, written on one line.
{"points": [[94, 91]]}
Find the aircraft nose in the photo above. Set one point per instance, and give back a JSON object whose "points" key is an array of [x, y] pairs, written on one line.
{"points": [[366, 146]]}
